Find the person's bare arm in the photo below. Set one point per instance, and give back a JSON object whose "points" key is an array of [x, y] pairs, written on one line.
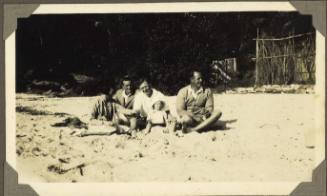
{"points": [[137, 103], [120, 109]]}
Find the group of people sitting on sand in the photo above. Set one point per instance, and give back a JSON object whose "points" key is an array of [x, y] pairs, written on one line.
{"points": [[147, 107]]}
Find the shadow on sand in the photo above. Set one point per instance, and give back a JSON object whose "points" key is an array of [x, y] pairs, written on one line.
{"points": [[220, 125]]}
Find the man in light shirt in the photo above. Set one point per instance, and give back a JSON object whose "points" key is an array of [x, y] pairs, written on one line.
{"points": [[124, 99], [195, 106]]}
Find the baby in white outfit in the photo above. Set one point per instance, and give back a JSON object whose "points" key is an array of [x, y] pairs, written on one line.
{"points": [[158, 116]]}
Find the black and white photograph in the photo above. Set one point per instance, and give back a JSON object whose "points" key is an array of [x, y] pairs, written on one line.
{"points": [[165, 97]]}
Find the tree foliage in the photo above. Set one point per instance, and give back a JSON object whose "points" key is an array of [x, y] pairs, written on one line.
{"points": [[162, 47]]}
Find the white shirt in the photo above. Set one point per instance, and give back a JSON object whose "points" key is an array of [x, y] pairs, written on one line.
{"points": [[157, 117], [125, 96], [143, 103]]}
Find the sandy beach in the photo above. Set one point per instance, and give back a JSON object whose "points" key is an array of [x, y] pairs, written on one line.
{"points": [[263, 141]]}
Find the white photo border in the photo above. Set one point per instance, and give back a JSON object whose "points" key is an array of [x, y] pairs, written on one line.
{"points": [[163, 188]]}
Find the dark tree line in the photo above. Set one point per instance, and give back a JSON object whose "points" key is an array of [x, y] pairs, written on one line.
{"points": [[162, 47]]}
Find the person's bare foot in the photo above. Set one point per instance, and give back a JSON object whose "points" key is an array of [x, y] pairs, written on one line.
{"points": [[131, 133], [139, 135], [146, 131], [120, 130], [179, 134]]}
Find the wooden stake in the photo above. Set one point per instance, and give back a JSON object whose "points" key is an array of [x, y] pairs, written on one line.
{"points": [[256, 59]]}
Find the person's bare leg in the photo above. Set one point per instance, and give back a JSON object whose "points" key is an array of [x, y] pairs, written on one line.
{"points": [[187, 122], [122, 119], [148, 128], [133, 123], [208, 122], [170, 125], [115, 121]]}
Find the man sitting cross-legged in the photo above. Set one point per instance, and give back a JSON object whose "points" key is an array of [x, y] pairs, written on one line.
{"points": [[195, 105]]}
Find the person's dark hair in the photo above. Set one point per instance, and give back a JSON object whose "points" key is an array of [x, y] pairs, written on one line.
{"points": [[128, 78], [125, 78], [143, 79], [191, 73]]}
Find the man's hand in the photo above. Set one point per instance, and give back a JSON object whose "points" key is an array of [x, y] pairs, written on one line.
{"points": [[205, 113]]}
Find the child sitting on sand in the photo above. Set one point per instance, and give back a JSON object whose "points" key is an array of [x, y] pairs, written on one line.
{"points": [[158, 116]]}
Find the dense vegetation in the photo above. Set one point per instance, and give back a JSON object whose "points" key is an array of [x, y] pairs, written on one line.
{"points": [[99, 49]]}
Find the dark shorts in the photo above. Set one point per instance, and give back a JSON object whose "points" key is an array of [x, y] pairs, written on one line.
{"points": [[141, 121]]}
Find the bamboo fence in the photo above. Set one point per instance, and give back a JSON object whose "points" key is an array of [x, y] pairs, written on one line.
{"points": [[285, 60]]}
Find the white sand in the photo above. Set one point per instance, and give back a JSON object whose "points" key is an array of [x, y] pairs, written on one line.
{"points": [[264, 142]]}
